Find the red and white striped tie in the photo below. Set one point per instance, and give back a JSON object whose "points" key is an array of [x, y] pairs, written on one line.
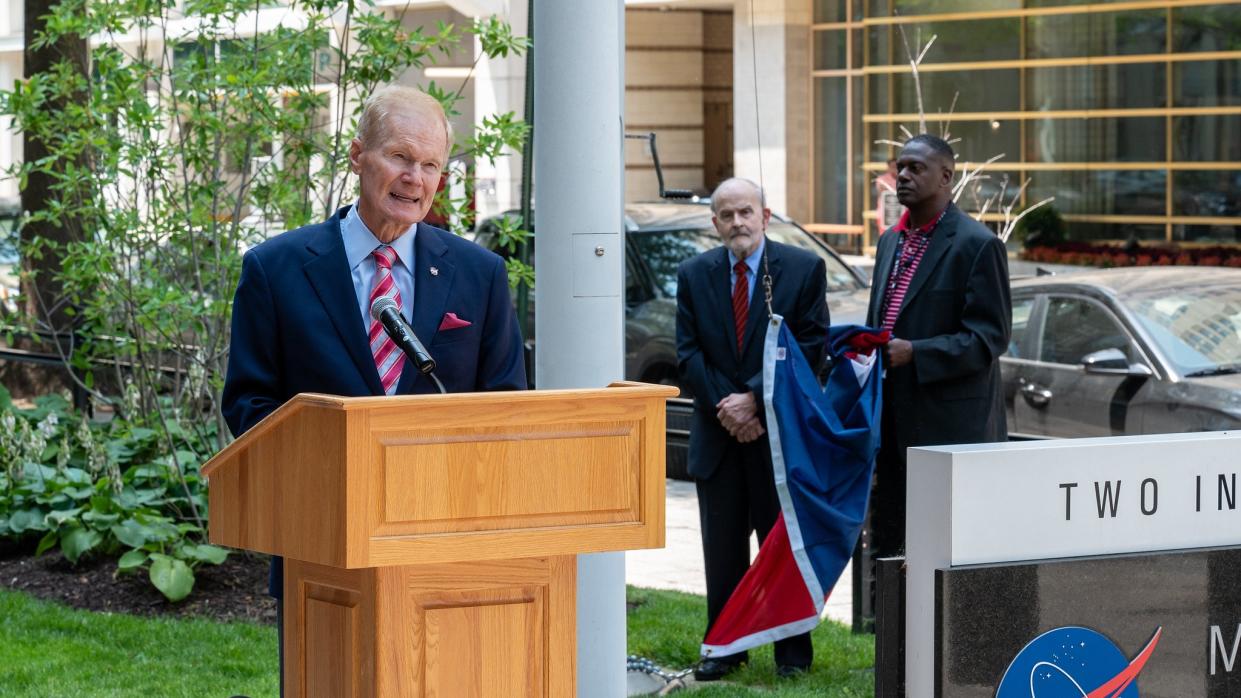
{"points": [[388, 359]]}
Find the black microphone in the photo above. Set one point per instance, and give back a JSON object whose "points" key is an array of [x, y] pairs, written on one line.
{"points": [[385, 310]]}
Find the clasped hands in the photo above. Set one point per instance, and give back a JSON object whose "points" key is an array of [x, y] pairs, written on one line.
{"points": [[738, 412]]}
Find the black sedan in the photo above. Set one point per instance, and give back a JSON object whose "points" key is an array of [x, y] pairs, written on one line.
{"points": [[1125, 351], [661, 235]]}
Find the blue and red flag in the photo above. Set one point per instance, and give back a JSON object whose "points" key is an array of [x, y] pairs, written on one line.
{"points": [[823, 446]]}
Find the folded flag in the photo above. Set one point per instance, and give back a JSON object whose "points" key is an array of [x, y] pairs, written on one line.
{"points": [[865, 343], [823, 446]]}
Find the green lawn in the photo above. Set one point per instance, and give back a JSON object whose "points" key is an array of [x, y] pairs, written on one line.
{"points": [[47, 650], [667, 626]]}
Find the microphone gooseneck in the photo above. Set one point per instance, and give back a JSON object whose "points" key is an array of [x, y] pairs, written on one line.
{"points": [[385, 310]]}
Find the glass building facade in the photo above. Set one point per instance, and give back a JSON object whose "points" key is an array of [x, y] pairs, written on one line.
{"points": [[1127, 112]]}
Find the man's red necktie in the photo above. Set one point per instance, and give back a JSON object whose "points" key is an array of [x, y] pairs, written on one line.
{"points": [[388, 359], [741, 300]]}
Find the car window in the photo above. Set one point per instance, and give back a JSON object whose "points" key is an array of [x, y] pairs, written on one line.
{"points": [[1017, 344], [636, 288], [1075, 327], [661, 251], [1199, 329], [839, 278], [664, 250]]}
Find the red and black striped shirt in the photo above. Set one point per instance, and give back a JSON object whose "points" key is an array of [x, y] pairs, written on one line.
{"points": [[909, 251]]}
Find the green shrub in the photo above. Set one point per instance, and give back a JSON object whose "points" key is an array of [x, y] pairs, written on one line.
{"points": [[103, 489], [1042, 227]]}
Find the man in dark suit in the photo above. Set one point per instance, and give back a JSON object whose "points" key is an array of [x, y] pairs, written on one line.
{"points": [[941, 287], [721, 322], [301, 319]]}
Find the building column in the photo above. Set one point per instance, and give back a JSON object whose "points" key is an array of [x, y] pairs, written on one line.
{"points": [[778, 133], [10, 71]]}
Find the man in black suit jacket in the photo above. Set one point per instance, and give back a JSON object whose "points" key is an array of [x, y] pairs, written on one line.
{"points": [[721, 322], [941, 287]]}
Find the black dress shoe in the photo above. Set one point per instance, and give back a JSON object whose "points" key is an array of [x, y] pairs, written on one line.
{"points": [[714, 669], [788, 671]]}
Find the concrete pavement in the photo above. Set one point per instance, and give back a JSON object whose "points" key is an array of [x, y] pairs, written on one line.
{"points": [[678, 565]]}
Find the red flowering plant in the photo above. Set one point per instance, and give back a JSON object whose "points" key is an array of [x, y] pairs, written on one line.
{"points": [[1103, 255]]}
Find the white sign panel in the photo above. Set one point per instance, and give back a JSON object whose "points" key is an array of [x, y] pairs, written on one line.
{"points": [[1038, 500]]}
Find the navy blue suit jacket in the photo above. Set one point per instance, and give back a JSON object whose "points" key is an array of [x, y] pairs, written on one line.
{"points": [[296, 325], [707, 355]]}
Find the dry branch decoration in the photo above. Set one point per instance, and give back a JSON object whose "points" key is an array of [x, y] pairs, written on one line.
{"points": [[971, 177]]}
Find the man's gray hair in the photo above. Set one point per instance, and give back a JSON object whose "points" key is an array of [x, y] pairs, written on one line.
{"points": [[398, 98], [762, 195]]}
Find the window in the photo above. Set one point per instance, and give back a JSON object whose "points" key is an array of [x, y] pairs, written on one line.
{"points": [[1126, 86], [829, 10], [829, 50], [1207, 138], [974, 90], [979, 40], [928, 7], [1210, 193], [1102, 34], [1197, 327], [981, 140], [1129, 139], [1103, 192], [1134, 85], [1076, 327], [839, 278], [1207, 83], [1017, 345], [637, 288], [831, 156], [1206, 29], [662, 251]]}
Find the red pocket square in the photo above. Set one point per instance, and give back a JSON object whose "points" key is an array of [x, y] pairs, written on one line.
{"points": [[452, 322]]}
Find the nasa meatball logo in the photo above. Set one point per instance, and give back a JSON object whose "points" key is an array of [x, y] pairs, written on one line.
{"points": [[1073, 662]]}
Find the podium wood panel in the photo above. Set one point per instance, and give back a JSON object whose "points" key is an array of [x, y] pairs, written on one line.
{"points": [[500, 629], [370, 482], [437, 481], [525, 474], [254, 505], [330, 642]]}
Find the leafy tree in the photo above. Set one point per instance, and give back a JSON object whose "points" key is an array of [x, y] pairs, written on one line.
{"points": [[196, 133], [68, 52]]}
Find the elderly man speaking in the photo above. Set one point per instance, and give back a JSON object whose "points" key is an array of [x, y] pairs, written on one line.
{"points": [[301, 314]]}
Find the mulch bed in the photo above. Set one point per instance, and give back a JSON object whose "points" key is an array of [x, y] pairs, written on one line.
{"points": [[233, 591]]}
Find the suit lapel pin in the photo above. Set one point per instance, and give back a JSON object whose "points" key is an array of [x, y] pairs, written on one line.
{"points": [[435, 271]]}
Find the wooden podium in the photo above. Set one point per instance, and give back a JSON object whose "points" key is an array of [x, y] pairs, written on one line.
{"points": [[430, 541]]}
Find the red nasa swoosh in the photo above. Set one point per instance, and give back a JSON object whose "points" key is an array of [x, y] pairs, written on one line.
{"points": [[1117, 684]]}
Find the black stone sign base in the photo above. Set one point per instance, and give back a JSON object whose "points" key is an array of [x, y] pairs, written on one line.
{"points": [[987, 614], [890, 627]]}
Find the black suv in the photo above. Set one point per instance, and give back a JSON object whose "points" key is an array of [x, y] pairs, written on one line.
{"points": [[659, 236]]}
